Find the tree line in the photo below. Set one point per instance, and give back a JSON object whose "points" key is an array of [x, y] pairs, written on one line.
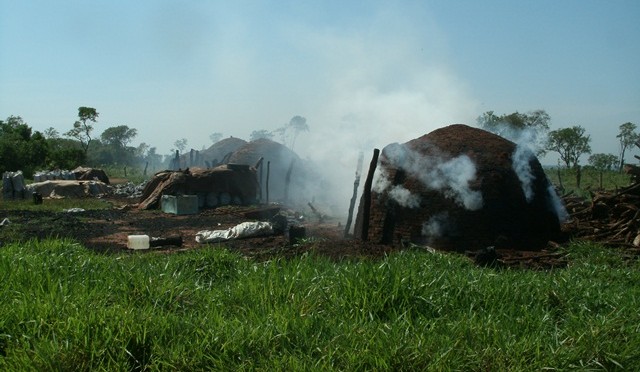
{"points": [[21, 148], [569, 143]]}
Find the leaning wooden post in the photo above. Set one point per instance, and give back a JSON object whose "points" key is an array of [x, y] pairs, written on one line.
{"points": [[356, 183], [366, 195]]}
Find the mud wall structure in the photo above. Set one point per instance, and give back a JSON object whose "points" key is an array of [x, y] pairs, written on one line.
{"points": [[460, 188]]}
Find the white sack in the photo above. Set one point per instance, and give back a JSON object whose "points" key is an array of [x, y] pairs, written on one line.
{"points": [[243, 230]]}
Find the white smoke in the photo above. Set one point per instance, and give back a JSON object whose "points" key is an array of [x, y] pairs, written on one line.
{"points": [[398, 193], [404, 197], [521, 164], [559, 208], [381, 181], [436, 226], [451, 176], [527, 144]]}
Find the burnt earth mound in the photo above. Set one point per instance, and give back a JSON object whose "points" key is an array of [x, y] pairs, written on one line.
{"points": [[460, 188]]}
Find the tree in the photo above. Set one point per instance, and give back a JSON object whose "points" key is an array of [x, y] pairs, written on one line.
{"points": [[602, 162], [570, 144], [118, 137], [215, 137], [153, 157], [181, 144], [20, 147], [64, 153], [627, 137], [262, 133], [51, 133], [81, 129], [297, 125], [537, 120], [535, 124]]}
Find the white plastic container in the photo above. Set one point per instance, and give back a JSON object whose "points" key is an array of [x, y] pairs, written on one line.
{"points": [[138, 242]]}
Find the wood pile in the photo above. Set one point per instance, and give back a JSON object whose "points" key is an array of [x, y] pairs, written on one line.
{"points": [[610, 218]]}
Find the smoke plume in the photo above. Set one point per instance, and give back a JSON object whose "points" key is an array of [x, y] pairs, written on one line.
{"points": [[451, 176]]}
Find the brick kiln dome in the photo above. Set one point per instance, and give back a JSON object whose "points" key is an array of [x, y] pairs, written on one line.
{"points": [[461, 188], [280, 158]]}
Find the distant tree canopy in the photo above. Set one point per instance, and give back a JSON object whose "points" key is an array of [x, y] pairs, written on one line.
{"points": [[118, 137], [531, 127], [603, 162], [290, 131], [627, 137], [20, 147], [537, 120], [180, 144], [23, 149], [570, 144], [262, 133], [215, 137]]}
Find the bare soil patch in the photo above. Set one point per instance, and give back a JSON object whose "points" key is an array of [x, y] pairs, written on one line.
{"points": [[108, 230]]}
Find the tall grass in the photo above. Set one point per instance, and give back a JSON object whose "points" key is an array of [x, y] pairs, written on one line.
{"points": [[66, 308]]}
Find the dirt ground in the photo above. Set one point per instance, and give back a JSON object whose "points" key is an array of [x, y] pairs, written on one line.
{"points": [[108, 231]]}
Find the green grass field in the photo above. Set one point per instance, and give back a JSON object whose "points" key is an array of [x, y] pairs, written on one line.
{"points": [[66, 308], [589, 180]]}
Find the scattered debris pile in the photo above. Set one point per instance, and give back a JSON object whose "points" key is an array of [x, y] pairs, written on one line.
{"points": [[223, 185], [459, 188], [129, 189], [610, 217]]}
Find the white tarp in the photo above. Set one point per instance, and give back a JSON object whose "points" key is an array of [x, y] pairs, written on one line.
{"points": [[243, 230], [69, 188]]}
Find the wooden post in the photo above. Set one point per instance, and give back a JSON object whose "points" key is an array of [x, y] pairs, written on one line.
{"points": [[259, 165], [366, 195], [560, 180], [125, 170], [267, 181], [356, 183], [287, 180], [144, 173]]}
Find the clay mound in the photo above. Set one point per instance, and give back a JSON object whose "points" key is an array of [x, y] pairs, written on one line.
{"points": [[90, 174], [461, 188], [219, 152], [280, 159], [223, 185]]}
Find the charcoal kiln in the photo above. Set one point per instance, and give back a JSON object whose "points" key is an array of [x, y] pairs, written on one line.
{"points": [[460, 188]]}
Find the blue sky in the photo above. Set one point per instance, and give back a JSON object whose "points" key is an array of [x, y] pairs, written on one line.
{"points": [[363, 73]]}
